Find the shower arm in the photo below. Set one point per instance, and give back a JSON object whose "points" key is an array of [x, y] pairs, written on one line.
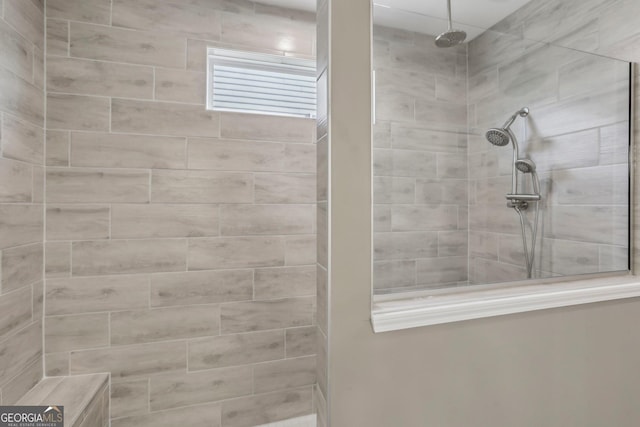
{"points": [[509, 122], [523, 112], [449, 11]]}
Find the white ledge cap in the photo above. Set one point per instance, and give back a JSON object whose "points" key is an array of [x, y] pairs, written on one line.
{"points": [[412, 311]]}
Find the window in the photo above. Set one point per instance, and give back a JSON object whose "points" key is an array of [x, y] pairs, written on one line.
{"points": [[260, 83]]}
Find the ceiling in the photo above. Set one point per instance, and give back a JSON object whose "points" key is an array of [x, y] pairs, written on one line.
{"points": [[429, 16]]}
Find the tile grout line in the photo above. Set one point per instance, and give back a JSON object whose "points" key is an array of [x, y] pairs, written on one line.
{"points": [[139, 100], [187, 340], [216, 138], [308, 387]]}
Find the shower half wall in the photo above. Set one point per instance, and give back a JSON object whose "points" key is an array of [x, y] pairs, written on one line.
{"points": [[439, 187]]}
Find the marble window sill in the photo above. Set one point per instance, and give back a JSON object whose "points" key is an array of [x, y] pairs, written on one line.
{"points": [[390, 313]]}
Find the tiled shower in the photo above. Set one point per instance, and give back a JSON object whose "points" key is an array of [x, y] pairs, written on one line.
{"points": [[440, 214], [178, 244], [22, 196], [419, 162], [577, 134], [186, 253]]}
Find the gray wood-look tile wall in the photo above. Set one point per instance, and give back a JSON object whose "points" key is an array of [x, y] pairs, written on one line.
{"points": [[576, 133], [420, 162], [439, 195], [22, 165], [180, 242]]}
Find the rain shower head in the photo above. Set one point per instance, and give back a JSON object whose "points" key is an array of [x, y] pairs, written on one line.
{"points": [[525, 166], [498, 137], [450, 37]]}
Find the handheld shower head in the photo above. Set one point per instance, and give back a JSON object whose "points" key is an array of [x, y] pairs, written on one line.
{"points": [[525, 166], [528, 166]]}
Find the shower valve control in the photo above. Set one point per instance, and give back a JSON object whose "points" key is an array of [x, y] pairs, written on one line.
{"points": [[520, 204], [521, 201]]}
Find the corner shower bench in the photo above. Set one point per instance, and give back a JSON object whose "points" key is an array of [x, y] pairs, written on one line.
{"points": [[85, 398]]}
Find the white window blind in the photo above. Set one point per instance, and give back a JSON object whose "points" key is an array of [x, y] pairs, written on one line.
{"points": [[260, 83]]}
